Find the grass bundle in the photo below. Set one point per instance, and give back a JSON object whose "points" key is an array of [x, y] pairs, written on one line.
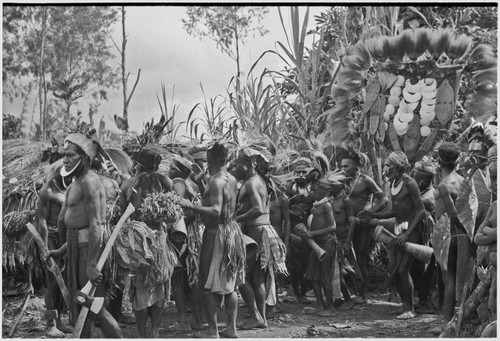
{"points": [[23, 173], [15, 240], [146, 253], [161, 207], [194, 240]]}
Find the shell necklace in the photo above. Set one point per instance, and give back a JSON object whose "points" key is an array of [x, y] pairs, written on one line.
{"points": [[395, 190]]}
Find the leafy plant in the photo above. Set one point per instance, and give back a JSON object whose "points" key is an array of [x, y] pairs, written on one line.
{"points": [[213, 122], [11, 127], [259, 108], [170, 128]]}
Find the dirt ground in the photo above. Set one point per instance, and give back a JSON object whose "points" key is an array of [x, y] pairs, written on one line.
{"points": [[375, 319]]}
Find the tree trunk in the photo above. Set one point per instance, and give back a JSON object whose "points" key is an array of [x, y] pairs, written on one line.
{"points": [[126, 98], [236, 39], [42, 88], [124, 77]]}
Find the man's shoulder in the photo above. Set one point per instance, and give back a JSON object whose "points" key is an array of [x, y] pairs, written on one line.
{"points": [[91, 179]]}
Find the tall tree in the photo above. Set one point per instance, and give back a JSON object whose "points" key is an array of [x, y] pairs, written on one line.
{"points": [[122, 123], [58, 45], [228, 26]]}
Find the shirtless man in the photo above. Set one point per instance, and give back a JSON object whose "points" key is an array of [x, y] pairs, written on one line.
{"points": [[51, 199], [424, 278], [448, 190], [321, 230], [221, 266], [183, 291], [253, 202], [409, 211], [82, 219], [279, 216], [345, 224], [146, 301], [299, 209], [361, 188]]}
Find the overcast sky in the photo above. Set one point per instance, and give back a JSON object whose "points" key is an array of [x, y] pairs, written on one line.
{"points": [[161, 48]]}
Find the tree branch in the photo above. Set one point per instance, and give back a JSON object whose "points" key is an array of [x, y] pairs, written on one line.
{"points": [[135, 84]]}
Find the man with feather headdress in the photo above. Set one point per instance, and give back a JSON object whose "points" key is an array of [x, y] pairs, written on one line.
{"points": [[253, 213], [82, 221]]}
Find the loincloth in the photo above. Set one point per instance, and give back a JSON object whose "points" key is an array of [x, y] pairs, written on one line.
{"points": [[317, 269], [75, 242], [396, 253], [271, 251], [227, 266]]}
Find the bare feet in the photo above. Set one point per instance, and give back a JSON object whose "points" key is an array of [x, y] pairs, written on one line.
{"points": [[347, 305], [53, 332], [406, 315], [228, 335], [251, 324], [64, 328]]}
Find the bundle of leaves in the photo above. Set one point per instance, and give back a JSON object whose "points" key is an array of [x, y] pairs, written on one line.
{"points": [[23, 173], [161, 207], [15, 249], [146, 253]]}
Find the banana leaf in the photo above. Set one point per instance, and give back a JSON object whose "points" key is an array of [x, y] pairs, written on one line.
{"points": [[441, 239], [467, 206]]}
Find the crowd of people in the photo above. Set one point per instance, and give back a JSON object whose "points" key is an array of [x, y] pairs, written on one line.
{"points": [[250, 224]]}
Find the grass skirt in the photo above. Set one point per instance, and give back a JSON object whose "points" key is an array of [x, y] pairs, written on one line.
{"points": [[194, 241], [272, 251], [227, 267], [149, 257]]}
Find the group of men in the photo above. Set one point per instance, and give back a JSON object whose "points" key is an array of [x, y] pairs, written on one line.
{"points": [[320, 224]]}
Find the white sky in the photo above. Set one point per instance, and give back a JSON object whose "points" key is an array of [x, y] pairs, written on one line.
{"points": [[161, 48]]}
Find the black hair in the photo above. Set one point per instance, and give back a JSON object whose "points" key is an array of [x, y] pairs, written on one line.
{"points": [[218, 153], [448, 153]]}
